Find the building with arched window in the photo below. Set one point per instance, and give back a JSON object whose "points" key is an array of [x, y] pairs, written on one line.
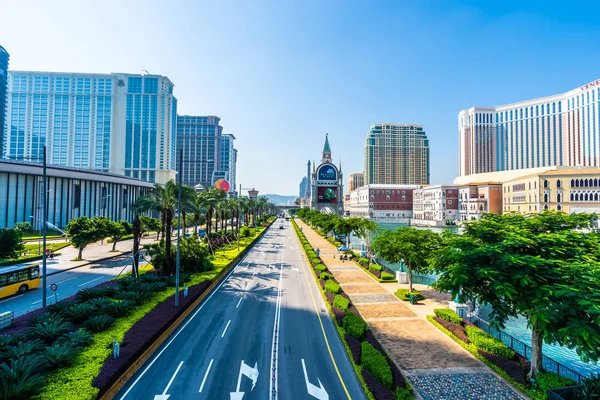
{"points": [[565, 189]]}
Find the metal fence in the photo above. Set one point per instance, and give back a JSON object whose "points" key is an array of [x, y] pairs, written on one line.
{"points": [[522, 348], [424, 280]]}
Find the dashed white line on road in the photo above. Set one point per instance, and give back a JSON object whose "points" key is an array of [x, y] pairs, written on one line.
{"points": [[93, 280], [238, 304], [39, 301], [12, 298], [66, 280], [205, 376], [225, 330]]}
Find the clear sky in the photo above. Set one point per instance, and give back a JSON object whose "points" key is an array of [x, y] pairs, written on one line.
{"points": [[282, 73]]}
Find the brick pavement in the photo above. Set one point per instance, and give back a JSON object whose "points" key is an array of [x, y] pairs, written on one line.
{"points": [[437, 367]]}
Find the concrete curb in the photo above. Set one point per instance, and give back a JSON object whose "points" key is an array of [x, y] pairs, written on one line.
{"points": [[87, 263], [112, 391]]}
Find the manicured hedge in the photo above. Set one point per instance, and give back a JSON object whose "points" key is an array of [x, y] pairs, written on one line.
{"points": [[375, 362], [403, 294], [457, 330], [375, 267], [315, 260], [320, 267], [380, 392], [339, 315], [325, 275], [515, 370], [332, 287], [330, 297], [355, 325], [448, 315], [376, 274], [341, 302], [386, 276], [354, 346], [486, 342]]}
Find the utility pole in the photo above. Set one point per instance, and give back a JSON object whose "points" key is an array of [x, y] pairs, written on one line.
{"points": [[239, 214], [178, 257], [44, 217]]}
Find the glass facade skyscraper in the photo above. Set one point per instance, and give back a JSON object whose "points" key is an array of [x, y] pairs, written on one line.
{"points": [[4, 57], [559, 130], [119, 123], [200, 138], [396, 155], [229, 158]]}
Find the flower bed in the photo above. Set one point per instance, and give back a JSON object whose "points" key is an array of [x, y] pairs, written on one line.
{"points": [[505, 361], [376, 271], [355, 335]]}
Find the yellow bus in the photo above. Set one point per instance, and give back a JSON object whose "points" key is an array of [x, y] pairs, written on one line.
{"points": [[18, 279]]}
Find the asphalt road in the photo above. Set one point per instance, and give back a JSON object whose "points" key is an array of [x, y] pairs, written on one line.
{"points": [[68, 283], [264, 333]]}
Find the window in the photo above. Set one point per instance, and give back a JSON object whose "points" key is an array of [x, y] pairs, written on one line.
{"points": [[76, 195], [558, 184], [572, 183], [558, 197], [545, 183], [449, 201], [559, 207], [545, 197]]}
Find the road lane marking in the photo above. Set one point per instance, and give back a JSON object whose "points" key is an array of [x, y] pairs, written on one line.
{"points": [[323, 329], [238, 304], [315, 391], [186, 324], [274, 352], [164, 395], [39, 301], [225, 330], [12, 298], [93, 280], [205, 376], [66, 280]]}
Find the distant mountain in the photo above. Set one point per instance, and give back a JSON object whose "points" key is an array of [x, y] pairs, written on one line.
{"points": [[280, 200]]}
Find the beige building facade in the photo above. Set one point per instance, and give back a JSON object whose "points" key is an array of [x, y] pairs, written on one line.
{"points": [[355, 181], [564, 189], [478, 198]]}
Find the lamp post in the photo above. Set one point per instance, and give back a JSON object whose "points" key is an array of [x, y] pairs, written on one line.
{"points": [[178, 256], [39, 233]]}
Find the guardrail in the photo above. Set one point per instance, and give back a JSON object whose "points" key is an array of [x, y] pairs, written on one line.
{"points": [[548, 364]]}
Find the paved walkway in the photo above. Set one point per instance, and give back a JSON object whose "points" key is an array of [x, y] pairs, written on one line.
{"points": [[437, 367], [91, 253]]}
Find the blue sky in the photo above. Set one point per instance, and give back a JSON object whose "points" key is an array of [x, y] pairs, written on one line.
{"points": [[281, 74]]}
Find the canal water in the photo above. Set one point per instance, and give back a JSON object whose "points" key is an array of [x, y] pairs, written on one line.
{"points": [[516, 327]]}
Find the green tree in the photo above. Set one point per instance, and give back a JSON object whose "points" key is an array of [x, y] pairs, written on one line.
{"points": [[23, 227], [117, 230], [164, 200], [211, 199], [539, 266], [11, 244], [149, 224], [364, 229], [412, 246], [83, 231]]}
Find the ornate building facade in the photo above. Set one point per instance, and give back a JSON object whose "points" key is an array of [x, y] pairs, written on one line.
{"points": [[327, 187]]}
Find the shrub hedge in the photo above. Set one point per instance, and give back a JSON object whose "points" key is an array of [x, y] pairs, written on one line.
{"points": [[354, 346], [486, 342], [332, 287], [386, 276], [375, 362], [375, 267], [448, 315], [355, 325], [320, 267], [325, 276], [341, 302], [403, 294], [457, 330]]}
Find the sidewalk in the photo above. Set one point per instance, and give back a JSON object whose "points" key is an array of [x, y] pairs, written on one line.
{"points": [[91, 253], [436, 366]]}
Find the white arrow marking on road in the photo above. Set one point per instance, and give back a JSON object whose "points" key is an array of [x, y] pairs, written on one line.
{"points": [[205, 376], [164, 395], [251, 373], [295, 269], [317, 392]]}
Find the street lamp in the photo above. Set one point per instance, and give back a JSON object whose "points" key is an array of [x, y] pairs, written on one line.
{"points": [[39, 233], [178, 256]]}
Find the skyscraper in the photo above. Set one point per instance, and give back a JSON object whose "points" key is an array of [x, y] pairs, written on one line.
{"points": [[303, 187], [200, 138], [4, 56], [556, 130], [119, 123], [355, 181], [396, 155], [228, 159]]}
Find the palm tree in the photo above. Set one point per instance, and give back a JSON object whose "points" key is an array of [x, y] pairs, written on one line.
{"points": [[196, 208], [188, 196], [164, 200], [210, 200]]}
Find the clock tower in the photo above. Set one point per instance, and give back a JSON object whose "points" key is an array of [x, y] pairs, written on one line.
{"points": [[327, 188]]}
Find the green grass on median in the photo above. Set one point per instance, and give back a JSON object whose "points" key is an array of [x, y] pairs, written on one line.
{"points": [[75, 382]]}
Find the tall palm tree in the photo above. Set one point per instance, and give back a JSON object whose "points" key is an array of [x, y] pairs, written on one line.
{"points": [[196, 208], [210, 200], [164, 200], [188, 196]]}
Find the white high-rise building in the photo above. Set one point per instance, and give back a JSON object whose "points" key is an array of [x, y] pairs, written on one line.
{"points": [[118, 123], [558, 130]]}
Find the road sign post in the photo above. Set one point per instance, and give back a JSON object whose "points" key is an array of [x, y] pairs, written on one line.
{"points": [[54, 287]]}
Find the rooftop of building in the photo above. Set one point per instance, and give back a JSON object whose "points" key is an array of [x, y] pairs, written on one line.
{"points": [[101, 74], [480, 184], [562, 171], [393, 187], [34, 168]]}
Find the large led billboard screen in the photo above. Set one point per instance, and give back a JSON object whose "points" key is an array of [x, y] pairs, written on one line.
{"points": [[327, 195]]}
